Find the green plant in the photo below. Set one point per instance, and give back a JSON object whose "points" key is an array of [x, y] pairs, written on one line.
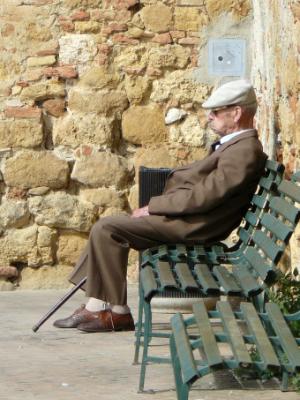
{"points": [[287, 296]]}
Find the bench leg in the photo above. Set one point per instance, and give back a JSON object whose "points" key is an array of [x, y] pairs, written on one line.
{"points": [[147, 339], [182, 389], [139, 327], [284, 382]]}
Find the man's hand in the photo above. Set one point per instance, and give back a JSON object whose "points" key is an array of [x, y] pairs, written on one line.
{"points": [[140, 212]]}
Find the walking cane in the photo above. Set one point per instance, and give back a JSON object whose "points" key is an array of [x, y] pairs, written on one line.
{"points": [[62, 301]]}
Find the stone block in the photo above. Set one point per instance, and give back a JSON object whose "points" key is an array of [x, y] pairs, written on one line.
{"points": [[70, 247], [188, 132], [20, 133], [169, 56], [62, 210], [136, 88], [87, 26], [104, 101], [191, 18], [41, 61], [154, 157], [46, 277], [23, 112], [55, 107], [144, 124], [99, 78], [76, 129], [29, 169], [103, 197], [101, 169], [76, 49], [43, 91], [239, 8], [18, 245], [180, 86], [157, 18], [13, 214]]}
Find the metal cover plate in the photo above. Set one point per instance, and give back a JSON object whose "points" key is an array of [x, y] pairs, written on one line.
{"points": [[226, 57]]}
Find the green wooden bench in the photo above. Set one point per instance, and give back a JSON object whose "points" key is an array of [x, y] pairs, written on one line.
{"points": [[180, 271], [257, 324], [246, 331]]}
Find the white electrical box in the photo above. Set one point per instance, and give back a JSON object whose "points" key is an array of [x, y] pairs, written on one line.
{"points": [[226, 57]]}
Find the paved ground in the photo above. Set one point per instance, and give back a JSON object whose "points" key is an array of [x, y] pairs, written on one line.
{"points": [[55, 364]]}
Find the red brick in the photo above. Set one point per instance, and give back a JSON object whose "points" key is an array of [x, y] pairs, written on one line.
{"points": [[104, 48], [22, 112], [49, 52], [8, 272], [64, 71], [120, 38], [153, 71], [80, 15], [162, 38], [189, 40], [177, 34], [22, 84], [55, 107], [120, 4], [117, 27], [16, 193], [7, 30], [135, 70], [66, 24]]}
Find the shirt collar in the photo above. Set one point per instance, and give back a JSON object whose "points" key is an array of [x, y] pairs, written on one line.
{"points": [[230, 136]]}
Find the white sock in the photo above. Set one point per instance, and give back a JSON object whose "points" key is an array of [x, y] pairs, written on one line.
{"points": [[94, 304], [120, 309]]}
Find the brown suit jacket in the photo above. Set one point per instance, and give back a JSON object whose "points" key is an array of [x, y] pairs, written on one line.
{"points": [[205, 201]]}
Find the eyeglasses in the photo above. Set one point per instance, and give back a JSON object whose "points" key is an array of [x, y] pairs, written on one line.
{"points": [[215, 111]]}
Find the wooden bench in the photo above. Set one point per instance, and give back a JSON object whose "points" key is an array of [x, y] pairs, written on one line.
{"points": [[180, 271], [246, 331], [257, 324]]}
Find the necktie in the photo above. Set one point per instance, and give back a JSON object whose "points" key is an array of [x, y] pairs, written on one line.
{"points": [[215, 145]]}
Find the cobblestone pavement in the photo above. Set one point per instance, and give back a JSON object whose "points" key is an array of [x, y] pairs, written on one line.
{"points": [[55, 364]]}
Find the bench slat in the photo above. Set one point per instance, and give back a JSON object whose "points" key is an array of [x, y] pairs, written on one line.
{"points": [[251, 218], [277, 227], [148, 281], [266, 182], [271, 249], [246, 280], [185, 355], [207, 335], [234, 334], [262, 267], [206, 279], [284, 208], [259, 200], [185, 276], [256, 328], [226, 280], [284, 334], [290, 189], [274, 166], [166, 277]]}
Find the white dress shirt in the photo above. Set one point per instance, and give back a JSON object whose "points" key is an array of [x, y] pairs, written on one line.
{"points": [[230, 136]]}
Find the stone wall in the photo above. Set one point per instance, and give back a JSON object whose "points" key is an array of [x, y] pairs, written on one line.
{"points": [[92, 89], [276, 32]]}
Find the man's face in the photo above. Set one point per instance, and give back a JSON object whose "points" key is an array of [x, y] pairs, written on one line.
{"points": [[222, 121]]}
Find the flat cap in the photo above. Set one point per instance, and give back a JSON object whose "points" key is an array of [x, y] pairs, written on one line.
{"points": [[239, 92]]}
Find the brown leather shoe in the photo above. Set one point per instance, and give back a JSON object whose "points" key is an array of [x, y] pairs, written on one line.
{"points": [[81, 315], [108, 321]]}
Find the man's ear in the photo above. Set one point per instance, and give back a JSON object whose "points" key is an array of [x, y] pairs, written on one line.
{"points": [[237, 113]]}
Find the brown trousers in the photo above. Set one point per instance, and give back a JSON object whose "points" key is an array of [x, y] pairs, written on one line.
{"points": [[104, 260]]}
